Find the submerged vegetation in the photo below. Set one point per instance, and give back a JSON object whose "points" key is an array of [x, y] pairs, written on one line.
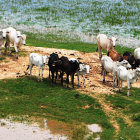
{"points": [[119, 17]]}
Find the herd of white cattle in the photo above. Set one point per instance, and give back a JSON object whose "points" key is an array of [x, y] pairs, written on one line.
{"points": [[121, 71]]}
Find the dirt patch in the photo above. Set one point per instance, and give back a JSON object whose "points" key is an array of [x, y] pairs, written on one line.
{"points": [[16, 67], [60, 128]]}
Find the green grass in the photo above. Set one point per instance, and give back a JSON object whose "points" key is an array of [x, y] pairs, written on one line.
{"points": [[2, 58], [57, 41], [24, 96], [32, 40], [130, 107]]}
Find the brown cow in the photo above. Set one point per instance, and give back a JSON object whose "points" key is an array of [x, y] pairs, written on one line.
{"points": [[115, 56]]}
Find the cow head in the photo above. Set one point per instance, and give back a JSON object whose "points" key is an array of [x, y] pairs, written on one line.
{"points": [[4, 32], [23, 39], [113, 39], [45, 59], [138, 72]]}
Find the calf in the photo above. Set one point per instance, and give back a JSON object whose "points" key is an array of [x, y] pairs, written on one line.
{"points": [[83, 69], [131, 76], [37, 60], [53, 68], [68, 67]]}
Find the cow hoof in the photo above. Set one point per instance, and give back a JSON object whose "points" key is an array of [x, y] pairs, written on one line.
{"points": [[103, 81]]}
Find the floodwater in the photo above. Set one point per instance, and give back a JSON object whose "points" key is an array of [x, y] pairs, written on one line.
{"points": [[81, 18]]}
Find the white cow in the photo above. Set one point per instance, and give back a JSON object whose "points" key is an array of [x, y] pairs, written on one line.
{"points": [[83, 69], [105, 43], [137, 57], [14, 37], [108, 65], [131, 76], [137, 53], [37, 60]]}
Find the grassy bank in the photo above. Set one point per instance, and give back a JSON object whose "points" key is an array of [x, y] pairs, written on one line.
{"points": [[55, 41], [27, 99], [128, 110], [42, 100]]}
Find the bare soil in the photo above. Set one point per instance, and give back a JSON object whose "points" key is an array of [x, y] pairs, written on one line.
{"points": [[14, 68]]}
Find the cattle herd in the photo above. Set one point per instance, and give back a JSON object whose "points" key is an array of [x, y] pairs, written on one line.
{"points": [[124, 67]]}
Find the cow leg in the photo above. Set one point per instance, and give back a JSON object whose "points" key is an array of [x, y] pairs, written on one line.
{"points": [[119, 84], [84, 81], [100, 53], [102, 68], [56, 76], [42, 74], [128, 87], [104, 72], [6, 47], [52, 76], [61, 74], [72, 79], [31, 65], [67, 80], [16, 50], [38, 73], [9, 48], [114, 76]]}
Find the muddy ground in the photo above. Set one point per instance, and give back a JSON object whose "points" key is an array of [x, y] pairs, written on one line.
{"points": [[14, 68]]}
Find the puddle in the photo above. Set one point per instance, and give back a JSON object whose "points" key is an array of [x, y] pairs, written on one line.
{"points": [[22, 131]]}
